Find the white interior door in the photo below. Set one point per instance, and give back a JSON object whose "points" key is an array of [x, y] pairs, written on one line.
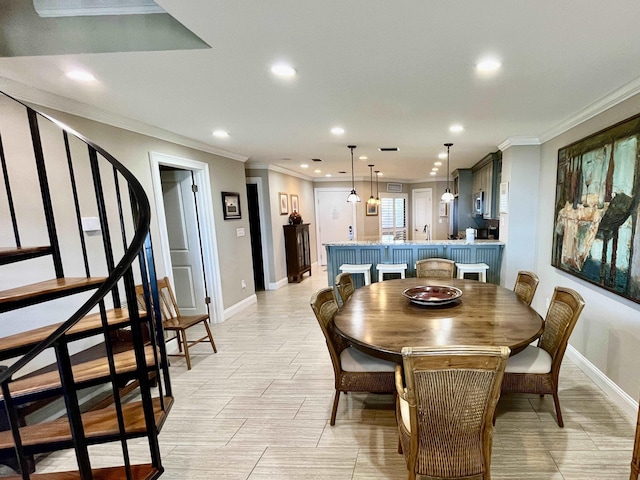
{"points": [[184, 244], [335, 218], [422, 209]]}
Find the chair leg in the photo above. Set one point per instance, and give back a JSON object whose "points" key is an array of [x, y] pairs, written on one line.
{"points": [[213, 344], [186, 348], [556, 400], [179, 338], [334, 410]]}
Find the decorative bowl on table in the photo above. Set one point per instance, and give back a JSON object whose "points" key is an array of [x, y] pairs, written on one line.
{"points": [[432, 295]]}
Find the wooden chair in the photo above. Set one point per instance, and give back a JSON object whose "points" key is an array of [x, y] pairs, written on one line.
{"points": [[173, 321], [445, 412], [344, 286], [536, 368], [435, 267], [354, 371], [526, 285]]}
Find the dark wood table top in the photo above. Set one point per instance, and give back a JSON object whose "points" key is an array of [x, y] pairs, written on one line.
{"points": [[381, 320]]}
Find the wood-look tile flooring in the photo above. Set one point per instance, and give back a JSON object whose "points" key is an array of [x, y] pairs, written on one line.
{"points": [[259, 409]]}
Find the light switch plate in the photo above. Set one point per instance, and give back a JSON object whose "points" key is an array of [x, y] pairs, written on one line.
{"points": [[90, 224], [240, 232]]}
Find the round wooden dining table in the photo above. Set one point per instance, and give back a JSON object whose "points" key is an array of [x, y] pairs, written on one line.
{"points": [[380, 320]]}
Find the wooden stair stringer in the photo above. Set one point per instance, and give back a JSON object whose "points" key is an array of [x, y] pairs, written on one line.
{"points": [[19, 343], [100, 426], [85, 374]]}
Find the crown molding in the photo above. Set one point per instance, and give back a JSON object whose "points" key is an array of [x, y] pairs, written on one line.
{"points": [[518, 141], [67, 105], [617, 96], [276, 168]]}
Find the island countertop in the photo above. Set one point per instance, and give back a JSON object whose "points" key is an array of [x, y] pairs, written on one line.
{"points": [[410, 251]]}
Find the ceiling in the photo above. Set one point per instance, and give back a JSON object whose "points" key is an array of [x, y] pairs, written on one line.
{"points": [[392, 74]]}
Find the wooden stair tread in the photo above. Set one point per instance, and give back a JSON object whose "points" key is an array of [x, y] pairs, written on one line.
{"points": [[11, 344], [98, 425], [23, 252], [138, 472], [125, 362], [48, 288]]}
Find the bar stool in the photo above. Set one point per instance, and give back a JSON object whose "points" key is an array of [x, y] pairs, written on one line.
{"points": [[479, 268], [390, 268], [364, 268]]}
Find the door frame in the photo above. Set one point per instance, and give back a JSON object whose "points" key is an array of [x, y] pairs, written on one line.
{"points": [[207, 225], [263, 230], [316, 202]]}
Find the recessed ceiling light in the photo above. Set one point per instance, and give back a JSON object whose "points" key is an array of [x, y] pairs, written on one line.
{"points": [[283, 70], [457, 128], [363, 157], [337, 131], [442, 155], [220, 134], [317, 170], [432, 173], [488, 65], [434, 169], [328, 175], [80, 76], [304, 165], [437, 164]]}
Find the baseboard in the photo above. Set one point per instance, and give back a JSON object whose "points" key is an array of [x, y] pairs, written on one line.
{"points": [[279, 284], [618, 396], [241, 305]]}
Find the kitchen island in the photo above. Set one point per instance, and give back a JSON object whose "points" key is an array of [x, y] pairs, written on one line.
{"points": [[410, 251]]}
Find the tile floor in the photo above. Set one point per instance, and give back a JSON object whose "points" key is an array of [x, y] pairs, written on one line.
{"points": [[259, 409]]}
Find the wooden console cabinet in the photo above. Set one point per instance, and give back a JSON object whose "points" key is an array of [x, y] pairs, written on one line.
{"points": [[296, 244]]}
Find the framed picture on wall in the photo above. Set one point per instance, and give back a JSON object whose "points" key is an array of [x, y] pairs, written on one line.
{"points": [[372, 209], [294, 204], [231, 205], [284, 203]]}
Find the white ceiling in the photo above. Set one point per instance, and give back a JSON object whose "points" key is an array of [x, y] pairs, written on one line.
{"points": [[392, 74]]}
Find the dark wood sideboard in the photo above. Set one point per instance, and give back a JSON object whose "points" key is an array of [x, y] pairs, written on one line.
{"points": [[297, 246]]}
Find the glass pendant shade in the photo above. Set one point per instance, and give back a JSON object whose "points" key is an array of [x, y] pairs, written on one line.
{"points": [[447, 196], [353, 196]]}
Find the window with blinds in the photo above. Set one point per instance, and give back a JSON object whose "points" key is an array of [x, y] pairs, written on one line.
{"points": [[393, 217]]}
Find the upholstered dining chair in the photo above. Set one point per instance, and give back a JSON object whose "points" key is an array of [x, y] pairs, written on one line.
{"points": [[536, 368], [526, 285], [344, 286], [174, 321], [435, 267], [354, 371], [445, 409]]}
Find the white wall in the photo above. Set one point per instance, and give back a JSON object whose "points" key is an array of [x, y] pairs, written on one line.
{"points": [[608, 332]]}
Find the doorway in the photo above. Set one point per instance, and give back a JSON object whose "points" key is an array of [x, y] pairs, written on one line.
{"points": [[209, 273], [422, 208], [256, 236]]}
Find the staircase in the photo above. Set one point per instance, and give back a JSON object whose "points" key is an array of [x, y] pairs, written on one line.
{"points": [[74, 339]]}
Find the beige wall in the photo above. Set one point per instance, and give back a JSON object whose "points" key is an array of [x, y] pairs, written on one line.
{"points": [[608, 332]]}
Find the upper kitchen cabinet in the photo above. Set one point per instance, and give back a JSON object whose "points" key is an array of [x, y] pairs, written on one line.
{"points": [[486, 180]]}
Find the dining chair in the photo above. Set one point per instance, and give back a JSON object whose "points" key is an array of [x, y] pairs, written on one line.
{"points": [[174, 321], [536, 368], [445, 408], [344, 286], [526, 285], [435, 267], [354, 371]]}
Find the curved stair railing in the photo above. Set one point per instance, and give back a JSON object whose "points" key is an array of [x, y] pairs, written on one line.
{"points": [[124, 364]]}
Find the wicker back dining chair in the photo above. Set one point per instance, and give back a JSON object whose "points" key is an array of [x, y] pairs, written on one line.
{"points": [[536, 368], [435, 267], [446, 409], [174, 321], [354, 371], [344, 286], [526, 285]]}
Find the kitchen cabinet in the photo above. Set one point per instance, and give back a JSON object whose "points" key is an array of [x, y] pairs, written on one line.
{"points": [[297, 247], [486, 179]]}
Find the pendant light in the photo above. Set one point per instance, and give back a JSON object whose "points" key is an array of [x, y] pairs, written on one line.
{"points": [[447, 196], [378, 201], [371, 201], [353, 196]]}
